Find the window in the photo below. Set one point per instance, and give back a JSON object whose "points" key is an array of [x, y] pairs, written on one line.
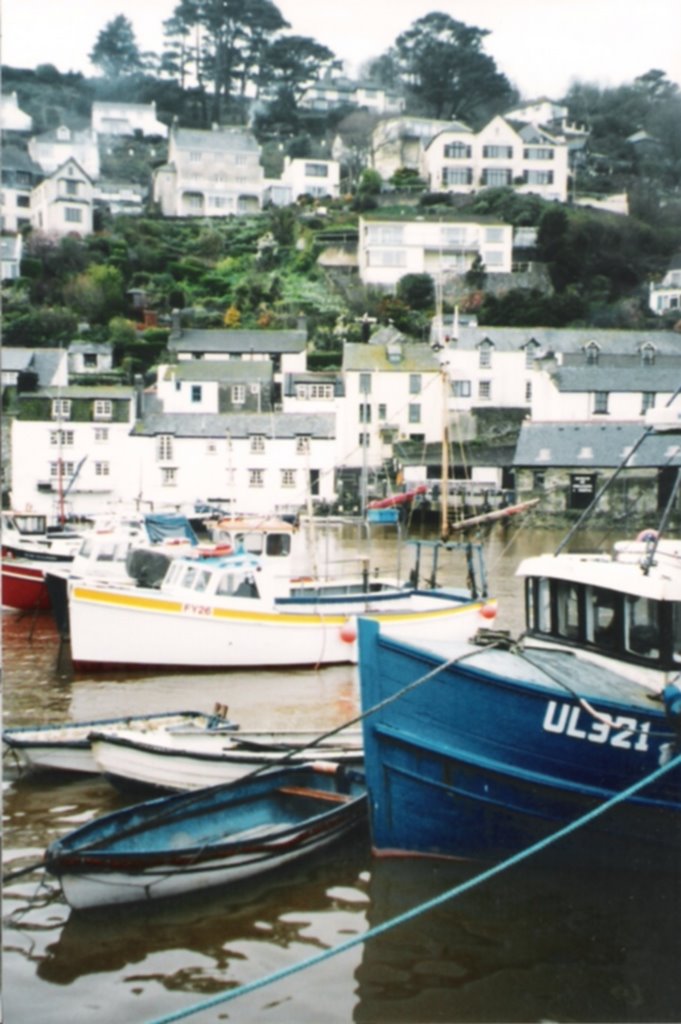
{"points": [[168, 476], [600, 403], [415, 412], [101, 434], [531, 354], [457, 151], [256, 478], [485, 390], [493, 257], [164, 447], [90, 360], [497, 152], [238, 394], [24, 201], [485, 355], [414, 383], [457, 176], [195, 156], [538, 479], [61, 437], [61, 468], [454, 236], [196, 393], [211, 448], [648, 355], [303, 445], [103, 409], [497, 177], [528, 390], [71, 187], [101, 468], [308, 391], [567, 608], [494, 234], [647, 401], [461, 388], [73, 215], [387, 258], [365, 383], [364, 440], [288, 478], [382, 411], [364, 412], [538, 153], [538, 177], [316, 170], [61, 408], [592, 353], [258, 443], [378, 234], [642, 627]]}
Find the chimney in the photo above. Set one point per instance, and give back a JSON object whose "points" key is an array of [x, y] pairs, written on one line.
{"points": [[138, 382], [176, 325]]}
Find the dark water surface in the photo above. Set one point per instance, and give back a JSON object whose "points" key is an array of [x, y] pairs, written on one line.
{"points": [[537, 943]]}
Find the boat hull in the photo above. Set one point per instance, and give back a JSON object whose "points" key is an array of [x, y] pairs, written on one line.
{"points": [[215, 837], [147, 628], [23, 586], [491, 754]]}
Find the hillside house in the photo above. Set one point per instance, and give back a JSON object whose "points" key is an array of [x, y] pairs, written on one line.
{"points": [[665, 295], [32, 368], [11, 248], [209, 173], [398, 142], [20, 175], [215, 386], [90, 358], [52, 149], [127, 119], [63, 202], [334, 91], [440, 243], [311, 177]]}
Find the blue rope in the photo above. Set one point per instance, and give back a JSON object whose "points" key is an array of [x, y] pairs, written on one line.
{"points": [[422, 908]]}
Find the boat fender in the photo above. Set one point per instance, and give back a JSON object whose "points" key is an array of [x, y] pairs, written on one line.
{"points": [[348, 632], [647, 534], [672, 702]]}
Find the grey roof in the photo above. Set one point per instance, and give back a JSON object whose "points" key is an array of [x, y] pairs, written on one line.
{"points": [[234, 341], [112, 391], [661, 376], [90, 346], [226, 370], [568, 339], [416, 358], [272, 425], [16, 159], [593, 445], [232, 138], [16, 359]]}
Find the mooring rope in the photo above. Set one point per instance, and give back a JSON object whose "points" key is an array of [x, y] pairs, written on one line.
{"points": [[422, 908]]}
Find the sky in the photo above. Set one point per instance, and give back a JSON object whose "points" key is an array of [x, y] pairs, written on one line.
{"points": [[542, 46]]}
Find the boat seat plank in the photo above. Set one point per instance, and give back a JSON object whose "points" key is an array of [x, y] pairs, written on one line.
{"points": [[317, 794]]}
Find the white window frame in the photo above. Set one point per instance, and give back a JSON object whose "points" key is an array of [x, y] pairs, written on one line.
{"points": [[256, 478], [61, 408], [103, 409]]}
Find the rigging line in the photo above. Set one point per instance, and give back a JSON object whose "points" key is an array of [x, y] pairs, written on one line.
{"points": [[422, 908]]}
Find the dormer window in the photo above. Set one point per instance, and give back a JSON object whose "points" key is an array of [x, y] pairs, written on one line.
{"points": [[103, 409], [648, 354], [61, 408], [592, 353], [485, 354], [531, 350]]}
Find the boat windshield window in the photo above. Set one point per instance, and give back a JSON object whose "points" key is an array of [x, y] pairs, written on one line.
{"points": [[247, 588], [225, 584], [567, 608], [31, 524], [603, 623], [278, 544], [174, 573], [85, 549], [107, 552], [642, 627], [202, 580], [251, 542], [189, 575]]}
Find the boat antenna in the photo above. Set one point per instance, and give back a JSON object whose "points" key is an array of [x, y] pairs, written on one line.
{"points": [[608, 483]]}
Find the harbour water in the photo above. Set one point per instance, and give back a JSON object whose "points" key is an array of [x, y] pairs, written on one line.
{"points": [[536, 943]]}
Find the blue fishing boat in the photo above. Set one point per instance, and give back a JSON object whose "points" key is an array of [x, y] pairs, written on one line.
{"points": [[222, 835], [479, 749]]}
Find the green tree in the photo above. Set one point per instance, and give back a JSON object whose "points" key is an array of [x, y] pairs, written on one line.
{"points": [[97, 294], [444, 72], [416, 290], [116, 51]]}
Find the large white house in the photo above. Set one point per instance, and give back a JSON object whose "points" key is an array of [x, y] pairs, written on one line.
{"points": [[64, 201], [51, 149], [665, 295], [125, 119], [209, 173], [437, 243]]}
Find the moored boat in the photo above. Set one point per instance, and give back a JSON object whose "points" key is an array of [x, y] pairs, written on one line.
{"points": [[241, 611], [165, 759], [218, 836], [66, 747], [482, 748], [23, 585]]}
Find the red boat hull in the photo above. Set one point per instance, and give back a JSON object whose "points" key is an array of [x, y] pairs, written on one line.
{"points": [[23, 586]]}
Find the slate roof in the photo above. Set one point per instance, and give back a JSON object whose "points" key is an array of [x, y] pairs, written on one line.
{"points": [[219, 140], [221, 370], [656, 377], [237, 342], [16, 359], [416, 358], [112, 391], [593, 445], [568, 339], [272, 425]]}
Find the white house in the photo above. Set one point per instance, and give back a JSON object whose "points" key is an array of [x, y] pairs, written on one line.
{"points": [[209, 173], [316, 178], [215, 386], [90, 357], [127, 119], [71, 445], [251, 462], [64, 201], [393, 390], [665, 295], [51, 149], [286, 350], [11, 247], [333, 91], [49, 365], [433, 242], [400, 142], [12, 117], [503, 154]]}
